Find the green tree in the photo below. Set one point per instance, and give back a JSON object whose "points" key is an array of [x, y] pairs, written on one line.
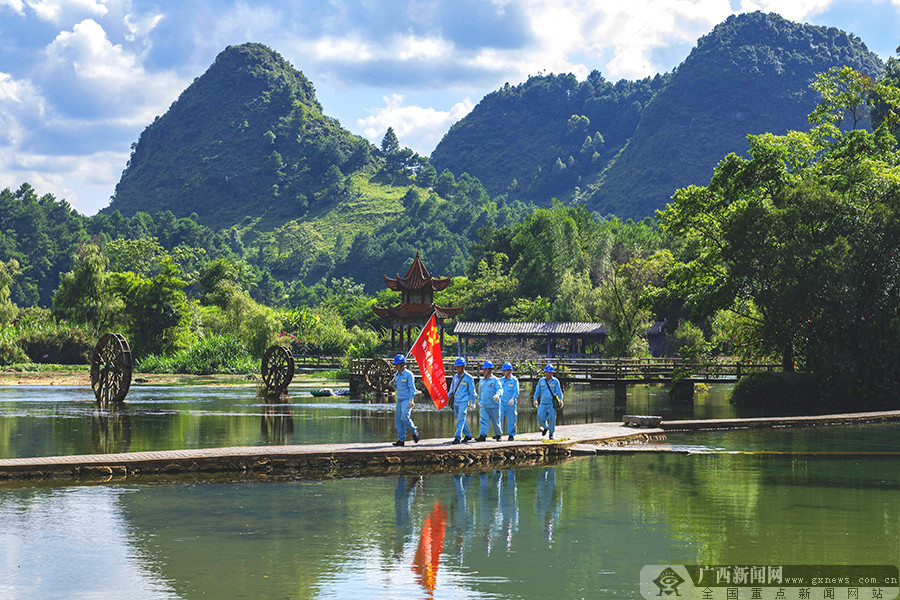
{"points": [[156, 310], [622, 302], [8, 272], [808, 230], [389, 143], [84, 294]]}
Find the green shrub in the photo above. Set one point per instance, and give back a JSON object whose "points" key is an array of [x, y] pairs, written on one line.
{"points": [[63, 344], [204, 356], [11, 353], [778, 392]]}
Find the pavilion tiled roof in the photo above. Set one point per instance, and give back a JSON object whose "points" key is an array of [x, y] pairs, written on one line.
{"points": [[423, 311], [416, 278], [529, 328]]}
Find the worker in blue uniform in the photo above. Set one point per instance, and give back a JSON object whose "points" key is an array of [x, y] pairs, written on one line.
{"points": [[489, 391], [462, 393], [508, 400], [546, 388], [405, 386]]}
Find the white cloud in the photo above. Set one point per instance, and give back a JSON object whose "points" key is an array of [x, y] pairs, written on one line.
{"points": [[17, 6], [21, 108], [346, 49], [417, 127], [102, 78], [140, 25], [61, 11], [795, 10]]}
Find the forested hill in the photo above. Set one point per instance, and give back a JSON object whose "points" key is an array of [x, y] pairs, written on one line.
{"points": [[247, 138], [624, 148], [751, 74], [547, 134]]}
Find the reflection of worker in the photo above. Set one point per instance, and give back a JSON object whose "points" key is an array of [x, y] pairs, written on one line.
{"points": [[489, 391], [487, 508], [462, 391], [405, 386], [546, 388], [508, 408], [547, 502], [459, 515], [509, 506], [404, 494]]}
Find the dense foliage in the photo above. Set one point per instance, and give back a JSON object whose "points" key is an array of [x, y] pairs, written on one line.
{"points": [[546, 136], [801, 241]]}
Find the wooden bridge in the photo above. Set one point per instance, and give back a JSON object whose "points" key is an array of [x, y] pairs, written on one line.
{"points": [[614, 372]]}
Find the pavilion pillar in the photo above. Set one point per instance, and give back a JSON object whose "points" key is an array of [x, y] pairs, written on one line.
{"points": [[393, 338]]}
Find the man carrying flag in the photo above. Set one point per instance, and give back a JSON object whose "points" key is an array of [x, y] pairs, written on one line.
{"points": [[427, 351]]}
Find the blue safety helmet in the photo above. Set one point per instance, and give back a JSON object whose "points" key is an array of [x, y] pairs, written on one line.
{"points": [[460, 362], [549, 368], [487, 365], [399, 359], [506, 367]]}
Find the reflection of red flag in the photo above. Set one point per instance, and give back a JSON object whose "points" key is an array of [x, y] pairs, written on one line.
{"points": [[428, 555], [427, 351]]}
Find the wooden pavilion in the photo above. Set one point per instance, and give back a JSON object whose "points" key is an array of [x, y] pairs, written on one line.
{"points": [[417, 290]]}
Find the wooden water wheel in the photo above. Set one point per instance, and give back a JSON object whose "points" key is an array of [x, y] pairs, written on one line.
{"points": [[378, 375], [111, 368], [277, 369]]}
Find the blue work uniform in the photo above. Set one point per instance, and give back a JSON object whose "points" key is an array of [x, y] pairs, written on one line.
{"points": [[508, 408], [462, 390], [490, 408], [405, 386], [543, 393]]}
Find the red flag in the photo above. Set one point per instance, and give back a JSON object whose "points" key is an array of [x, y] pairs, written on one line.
{"points": [[427, 351]]}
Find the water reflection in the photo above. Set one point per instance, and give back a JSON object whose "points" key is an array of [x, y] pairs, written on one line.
{"points": [[547, 502], [110, 428], [490, 534], [277, 422]]}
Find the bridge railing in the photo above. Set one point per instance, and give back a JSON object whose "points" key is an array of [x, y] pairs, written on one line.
{"points": [[618, 369]]}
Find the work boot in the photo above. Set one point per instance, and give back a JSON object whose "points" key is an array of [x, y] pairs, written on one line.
{"points": [[497, 437], [455, 441], [468, 438], [399, 443], [416, 437], [481, 438], [510, 439]]}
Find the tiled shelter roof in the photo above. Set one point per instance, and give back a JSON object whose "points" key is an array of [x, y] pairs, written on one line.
{"points": [[501, 328]]}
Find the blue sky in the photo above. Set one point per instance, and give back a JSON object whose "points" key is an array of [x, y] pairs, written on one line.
{"points": [[80, 79]]}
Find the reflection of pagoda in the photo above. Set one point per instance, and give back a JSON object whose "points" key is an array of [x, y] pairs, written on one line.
{"points": [[417, 290]]}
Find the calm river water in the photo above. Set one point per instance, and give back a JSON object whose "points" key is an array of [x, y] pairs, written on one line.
{"points": [[579, 529]]}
